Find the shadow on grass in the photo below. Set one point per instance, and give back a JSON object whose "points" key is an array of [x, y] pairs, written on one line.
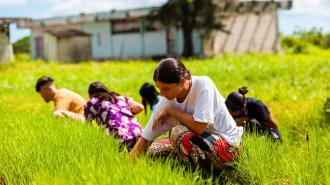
{"points": [[2, 181], [203, 171]]}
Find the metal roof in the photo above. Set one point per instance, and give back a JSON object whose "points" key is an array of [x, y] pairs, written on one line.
{"points": [[243, 6]]}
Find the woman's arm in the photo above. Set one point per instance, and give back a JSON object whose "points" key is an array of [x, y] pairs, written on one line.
{"points": [[135, 106], [182, 117], [65, 113], [272, 123], [140, 147]]}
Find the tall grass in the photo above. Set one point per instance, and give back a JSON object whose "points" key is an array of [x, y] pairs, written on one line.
{"points": [[36, 148]]}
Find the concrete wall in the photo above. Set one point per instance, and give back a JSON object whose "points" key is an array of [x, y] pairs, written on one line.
{"points": [[127, 45], [101, 38], [50, 47], [73, 49], [6, 49], [248, 33], [155, 43], [39, 32]]}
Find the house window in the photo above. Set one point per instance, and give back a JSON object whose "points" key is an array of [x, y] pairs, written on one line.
{"points": [[152, 26], [126, 26]]}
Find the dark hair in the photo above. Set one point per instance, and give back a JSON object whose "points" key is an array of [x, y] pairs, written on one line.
{"points": [[98, 87], [42, 81], [235, 101], [171, 70], [149, 95]]}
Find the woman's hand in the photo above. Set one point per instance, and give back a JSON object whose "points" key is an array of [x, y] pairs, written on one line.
{"points": [[161, 117], [135, 106], [140, 147]]}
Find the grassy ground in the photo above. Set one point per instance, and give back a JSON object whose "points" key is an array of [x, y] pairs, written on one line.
{"points": [[36, 148]]}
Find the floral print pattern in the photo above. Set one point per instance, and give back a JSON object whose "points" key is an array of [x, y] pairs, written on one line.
{"points": [[117, 117]]}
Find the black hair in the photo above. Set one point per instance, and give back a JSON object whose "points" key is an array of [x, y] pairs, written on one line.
{"points": [[235, 101], [43, 81], [171, 70], [149, 95], [98, 87]]}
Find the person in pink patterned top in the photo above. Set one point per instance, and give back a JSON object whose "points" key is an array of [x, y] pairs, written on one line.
{"points": [[115, 113]]}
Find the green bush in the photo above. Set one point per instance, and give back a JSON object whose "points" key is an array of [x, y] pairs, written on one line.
{"points": [[22, 45], [327, 41], [302, 39], [326, 109], [294, 45]]}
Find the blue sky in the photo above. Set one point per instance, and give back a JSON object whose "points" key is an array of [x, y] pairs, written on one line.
{"points": [[305, 14]]}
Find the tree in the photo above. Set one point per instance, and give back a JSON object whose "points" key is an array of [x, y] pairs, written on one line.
{"points": [[22, 45], [192, 15]]}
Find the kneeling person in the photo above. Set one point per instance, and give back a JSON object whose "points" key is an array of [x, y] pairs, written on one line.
{"points": [[115, 113], [67, 103], [201, 129]]}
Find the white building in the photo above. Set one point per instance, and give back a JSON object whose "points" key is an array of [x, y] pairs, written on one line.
{"points": [[127, 33]]}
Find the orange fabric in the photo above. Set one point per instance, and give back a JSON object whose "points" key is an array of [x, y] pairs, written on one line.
{"points": [[67, 100]]}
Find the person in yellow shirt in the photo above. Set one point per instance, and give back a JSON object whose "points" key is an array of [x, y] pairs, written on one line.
{"points": [[67, 103]]}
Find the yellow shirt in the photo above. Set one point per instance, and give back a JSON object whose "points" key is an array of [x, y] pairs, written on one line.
{"points": [[67, 100]]}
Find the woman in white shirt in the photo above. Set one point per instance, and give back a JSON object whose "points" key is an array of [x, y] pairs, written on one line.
{"points": [[193, 110]]}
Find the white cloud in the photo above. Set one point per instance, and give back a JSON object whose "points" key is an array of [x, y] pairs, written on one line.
{"points": [[11, 3], [78, 6], [310, 7], [306, 14]]}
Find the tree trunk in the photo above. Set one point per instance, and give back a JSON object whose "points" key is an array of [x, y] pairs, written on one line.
{"points": [[187, 30], [188, 49]]}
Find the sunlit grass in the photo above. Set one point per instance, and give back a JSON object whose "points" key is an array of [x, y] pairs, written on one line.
{"points": [[36, 148]]}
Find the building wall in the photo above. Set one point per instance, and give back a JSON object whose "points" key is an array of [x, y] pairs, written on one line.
{"points": [[38, 33], [73, 49], [50, 47], [101, 38], [105, 44], [6, 49], [127, 45], [248, 33], [155, 43], [119, 45]]}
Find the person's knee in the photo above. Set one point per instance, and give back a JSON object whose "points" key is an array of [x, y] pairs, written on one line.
{"points": [[176, 132]]}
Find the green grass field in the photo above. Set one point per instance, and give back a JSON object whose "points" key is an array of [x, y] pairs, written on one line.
{"points": [[37, 148]]}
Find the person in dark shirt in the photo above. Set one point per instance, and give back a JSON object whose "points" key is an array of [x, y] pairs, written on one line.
{"points": [[252, 113], [149, 96]]}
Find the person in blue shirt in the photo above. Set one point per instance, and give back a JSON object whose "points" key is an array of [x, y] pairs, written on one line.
{"points": [[252, 113]]}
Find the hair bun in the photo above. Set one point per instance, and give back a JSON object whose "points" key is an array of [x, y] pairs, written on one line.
{"points": [[243, 90]]}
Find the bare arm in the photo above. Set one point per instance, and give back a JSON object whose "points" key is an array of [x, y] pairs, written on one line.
{"points": [[65, 113], [182, 117], [135, 106], [272, 123], [140, 147]]}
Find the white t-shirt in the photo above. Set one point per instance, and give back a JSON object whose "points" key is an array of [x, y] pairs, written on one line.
{"points": [[205, 104]]}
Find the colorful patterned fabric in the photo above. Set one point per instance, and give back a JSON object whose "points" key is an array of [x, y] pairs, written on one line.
{"points": [[201, 148], [195, 149], [117, 118]]}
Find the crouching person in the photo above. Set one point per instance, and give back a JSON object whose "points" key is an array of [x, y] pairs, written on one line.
{"points": [[193, 110], [115, 113], [67, 103], [253, 114]]}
